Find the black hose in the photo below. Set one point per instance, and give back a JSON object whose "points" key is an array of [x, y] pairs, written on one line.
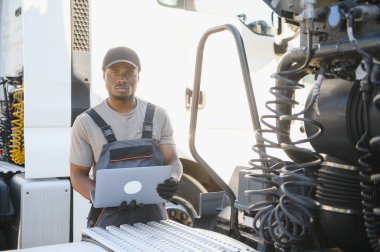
{"points": [[368, 193], [371, 219], [286, 216]]}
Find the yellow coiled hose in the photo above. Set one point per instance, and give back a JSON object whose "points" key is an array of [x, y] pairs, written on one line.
{"points": [[17, 148]]}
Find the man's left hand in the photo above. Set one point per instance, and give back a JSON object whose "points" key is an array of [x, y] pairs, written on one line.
{"points": [[168, 189]]}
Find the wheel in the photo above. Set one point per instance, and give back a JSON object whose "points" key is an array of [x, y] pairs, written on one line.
{"points": [[184, 206], [190, 190]]}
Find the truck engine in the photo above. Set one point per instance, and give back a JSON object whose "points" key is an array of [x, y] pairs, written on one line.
{"points": [[326, 196]]}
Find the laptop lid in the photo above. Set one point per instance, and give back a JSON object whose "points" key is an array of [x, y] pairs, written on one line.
{"points": [[113, 186]]}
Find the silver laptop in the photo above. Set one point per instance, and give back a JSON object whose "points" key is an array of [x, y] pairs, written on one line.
{"points": [[113, 186]]}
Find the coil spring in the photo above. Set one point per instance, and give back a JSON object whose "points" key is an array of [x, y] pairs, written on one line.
{"points": [[17, 149], [368, 176], [286, 216]]}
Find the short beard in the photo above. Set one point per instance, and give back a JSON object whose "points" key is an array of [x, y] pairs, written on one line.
{"points": [[124, 98]]}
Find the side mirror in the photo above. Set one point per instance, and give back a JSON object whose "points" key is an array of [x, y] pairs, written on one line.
{"points": [[259, 27], [279, 46], [178, 4], [283, 33], [187, 5]]}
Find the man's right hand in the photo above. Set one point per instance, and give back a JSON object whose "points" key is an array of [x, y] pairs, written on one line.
{"points": [[124, 206]]}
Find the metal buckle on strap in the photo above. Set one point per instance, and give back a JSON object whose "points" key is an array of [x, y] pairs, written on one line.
{"points": [[107, 131], [148, 126]]}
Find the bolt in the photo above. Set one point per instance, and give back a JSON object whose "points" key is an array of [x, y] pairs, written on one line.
{"points": [[172, 213], [302, 129], [183, 216]]}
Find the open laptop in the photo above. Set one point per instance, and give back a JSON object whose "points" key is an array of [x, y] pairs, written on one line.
{"points": [[113, 186]]}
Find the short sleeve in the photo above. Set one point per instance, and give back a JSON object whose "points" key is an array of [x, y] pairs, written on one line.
{"points": [[167, 131], [80, 148]]}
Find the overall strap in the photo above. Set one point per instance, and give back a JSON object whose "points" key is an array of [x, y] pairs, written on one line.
{"points": [[105, 128], [148, 121]]}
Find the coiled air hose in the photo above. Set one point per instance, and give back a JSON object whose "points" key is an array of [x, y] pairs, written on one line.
{"points": [[369, 199], [288, 217], [17, 148]]}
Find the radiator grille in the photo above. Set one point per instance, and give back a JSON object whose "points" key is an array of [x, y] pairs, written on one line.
{"points": [[80, 25], [163, 236]]}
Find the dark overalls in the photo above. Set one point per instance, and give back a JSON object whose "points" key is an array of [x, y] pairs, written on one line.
{"points": [[128, 153]]}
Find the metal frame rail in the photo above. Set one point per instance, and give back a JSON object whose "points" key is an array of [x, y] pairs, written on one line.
{"points": [[252, 107]]}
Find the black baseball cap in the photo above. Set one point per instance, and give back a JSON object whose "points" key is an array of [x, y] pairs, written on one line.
{"points": [[121, 54]]}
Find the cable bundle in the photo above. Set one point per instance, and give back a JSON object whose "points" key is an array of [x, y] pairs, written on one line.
{"points": [[5, 131], [5, 122], [287, 215]]}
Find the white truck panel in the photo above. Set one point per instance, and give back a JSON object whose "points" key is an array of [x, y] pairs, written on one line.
{"points": [[67, 247], [44, 211], [81, 208], [47, 78], [47, 152], [47, 63]]}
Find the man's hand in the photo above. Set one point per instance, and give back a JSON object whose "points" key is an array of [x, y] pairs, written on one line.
{"points": [[168, 189], [124, 206]]}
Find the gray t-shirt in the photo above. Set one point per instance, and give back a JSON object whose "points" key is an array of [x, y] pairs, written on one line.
{"points": [[87, 139]]}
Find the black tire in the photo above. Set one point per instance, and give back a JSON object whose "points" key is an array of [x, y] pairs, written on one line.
{"points": [[190, 189]]}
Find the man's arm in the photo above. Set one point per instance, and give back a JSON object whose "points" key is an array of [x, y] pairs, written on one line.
{"points": [[80, 180], [171, 158], [170, 187]]}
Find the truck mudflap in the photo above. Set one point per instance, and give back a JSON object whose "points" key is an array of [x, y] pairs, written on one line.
{"points": [[165, 235]]}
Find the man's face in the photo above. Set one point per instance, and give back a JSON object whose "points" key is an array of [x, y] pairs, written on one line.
{"points": [[121, 80]]}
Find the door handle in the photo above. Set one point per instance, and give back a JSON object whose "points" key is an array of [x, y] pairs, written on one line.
{"points": [[189, 98]]}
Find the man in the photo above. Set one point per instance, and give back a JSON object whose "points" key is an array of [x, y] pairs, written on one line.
{"points": [[124, 119]]}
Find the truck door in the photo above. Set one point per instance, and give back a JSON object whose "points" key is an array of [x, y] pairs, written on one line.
{"points": [[224, 129]]}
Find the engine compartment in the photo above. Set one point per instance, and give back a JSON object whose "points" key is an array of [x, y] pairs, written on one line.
{"points": [[326, 196]]}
